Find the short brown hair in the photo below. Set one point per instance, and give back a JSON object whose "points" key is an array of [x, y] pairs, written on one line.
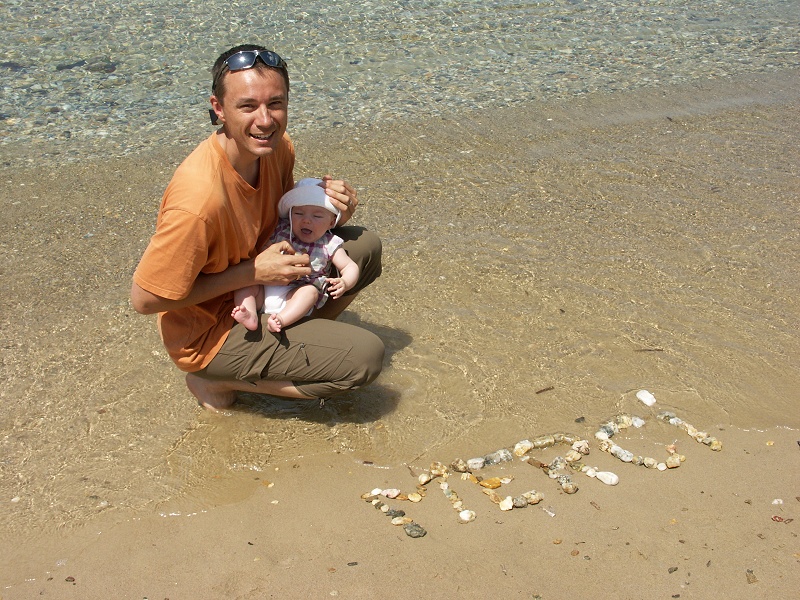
{"points": [[219, 69]]}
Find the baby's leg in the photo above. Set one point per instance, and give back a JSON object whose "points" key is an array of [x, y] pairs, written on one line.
{"points": [[245, 310], [298, 303]]}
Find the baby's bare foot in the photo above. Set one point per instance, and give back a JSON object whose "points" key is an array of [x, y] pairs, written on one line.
{"points": [[245, 317], [274, 324]]}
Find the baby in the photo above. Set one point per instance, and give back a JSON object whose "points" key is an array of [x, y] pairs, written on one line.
{"points": [[307, 215]]}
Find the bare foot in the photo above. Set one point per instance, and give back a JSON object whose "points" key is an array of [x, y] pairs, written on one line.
{"points": [[245, 317], [212, 395], [274, 324]]}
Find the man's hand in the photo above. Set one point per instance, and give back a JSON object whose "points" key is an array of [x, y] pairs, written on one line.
{"points": [[343, 196], [280, 265], [277, 265]]}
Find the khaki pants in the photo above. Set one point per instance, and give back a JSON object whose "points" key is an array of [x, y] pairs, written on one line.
{"points": [[320, 357]]}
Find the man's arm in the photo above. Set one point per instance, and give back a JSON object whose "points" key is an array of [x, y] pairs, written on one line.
{"points": [[277, 265]]}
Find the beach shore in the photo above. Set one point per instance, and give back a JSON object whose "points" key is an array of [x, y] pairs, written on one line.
{"points": [[707, 529], [724, 524]]}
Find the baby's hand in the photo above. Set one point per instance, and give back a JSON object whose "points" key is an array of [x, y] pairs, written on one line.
{"points": [[336, 287]]}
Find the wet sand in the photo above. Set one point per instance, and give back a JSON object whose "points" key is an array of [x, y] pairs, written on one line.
{"points": [[646, 240]]}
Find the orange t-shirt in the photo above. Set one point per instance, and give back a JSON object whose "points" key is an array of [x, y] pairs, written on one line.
{"points": [[210, 219]]}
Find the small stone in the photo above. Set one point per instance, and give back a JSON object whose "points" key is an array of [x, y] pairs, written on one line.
{"points": [[608, 478], [492, 483], [414, 497], [493, 496], [414, 530], [438, 469], [672, 570], [466, 516], [475, 464], [523, 447], [502, 455], [520, 502], [459, 466]]}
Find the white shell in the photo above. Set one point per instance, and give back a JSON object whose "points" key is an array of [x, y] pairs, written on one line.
{"points": [[424, 478], [523, 447], [474, 464], [601, 435], [466, 516], [438, 469], [507, 503], [376, 492], [581, 446], [646, 397], [661, 466], [608, 477], [591, 472], [391, 493]]}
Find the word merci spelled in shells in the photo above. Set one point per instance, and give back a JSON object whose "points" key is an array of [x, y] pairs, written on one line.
{"points": [[556, 469]]}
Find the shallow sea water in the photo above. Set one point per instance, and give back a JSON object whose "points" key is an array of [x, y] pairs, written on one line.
{"points": [[100, 79], [572, 209]]}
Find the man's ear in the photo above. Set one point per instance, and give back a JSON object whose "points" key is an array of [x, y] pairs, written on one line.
{"points": [[216, 112]]}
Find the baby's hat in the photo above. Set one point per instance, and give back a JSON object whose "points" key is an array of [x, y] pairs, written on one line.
{"points": [[307, 192]]}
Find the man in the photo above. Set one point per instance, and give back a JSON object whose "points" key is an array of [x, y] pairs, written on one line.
{"points": [[215, 217]]}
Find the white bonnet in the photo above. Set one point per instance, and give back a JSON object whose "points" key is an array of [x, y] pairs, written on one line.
{"points": [[307, 192]]}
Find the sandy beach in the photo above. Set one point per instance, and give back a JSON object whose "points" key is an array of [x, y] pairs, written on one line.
{"points": [[542, 263]]}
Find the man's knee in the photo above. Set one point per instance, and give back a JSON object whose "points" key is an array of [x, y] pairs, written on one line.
{"points": [[365, 249], [366, 359]]}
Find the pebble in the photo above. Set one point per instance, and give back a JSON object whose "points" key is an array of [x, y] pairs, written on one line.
{"points": [[414, 530], [646, 397]]}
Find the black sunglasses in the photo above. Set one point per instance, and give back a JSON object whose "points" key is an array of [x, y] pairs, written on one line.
{"points": [[245, 59]]}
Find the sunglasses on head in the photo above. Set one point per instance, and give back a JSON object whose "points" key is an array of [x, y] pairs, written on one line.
{"points": [[245, 59]]}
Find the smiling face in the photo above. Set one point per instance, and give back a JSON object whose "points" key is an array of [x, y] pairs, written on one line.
{"points": [[309, 223], [254, 113]]}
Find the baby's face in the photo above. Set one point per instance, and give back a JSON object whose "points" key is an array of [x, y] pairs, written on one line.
{"points": [[309, 223]]}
